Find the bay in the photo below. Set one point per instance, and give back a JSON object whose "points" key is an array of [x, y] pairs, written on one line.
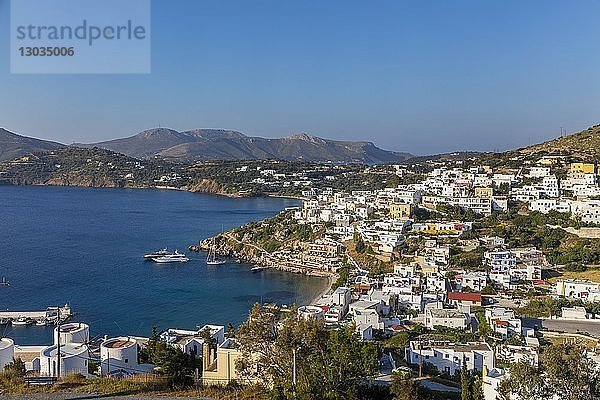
{"points": [[85, 246]]}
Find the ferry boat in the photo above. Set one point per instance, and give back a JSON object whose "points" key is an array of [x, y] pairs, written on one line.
{"points": [[156, 254], [171, 258], [212, 259]]}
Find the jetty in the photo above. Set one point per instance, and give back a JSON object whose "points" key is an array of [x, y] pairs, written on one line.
{"points": [[63, 312]]}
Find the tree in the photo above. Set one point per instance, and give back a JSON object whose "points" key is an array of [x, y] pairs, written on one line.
{"points": [[171, 362], [465, 382], [570, 374], [330, 364], [360, 245], [15, 368], [230, 330], [477, 389], [403, 387], [525, 383]]}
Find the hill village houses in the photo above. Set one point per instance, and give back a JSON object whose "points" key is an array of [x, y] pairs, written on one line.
{"points": [[425, 290]]}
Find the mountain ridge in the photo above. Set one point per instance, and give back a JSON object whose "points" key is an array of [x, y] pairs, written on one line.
{"points": [[13, 145], [206, 144]]}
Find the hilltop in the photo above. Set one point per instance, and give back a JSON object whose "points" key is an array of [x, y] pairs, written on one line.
{"points": [[13, 146], [220, 144], [581, 144]]}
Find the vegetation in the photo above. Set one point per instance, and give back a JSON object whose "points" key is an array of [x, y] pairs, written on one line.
{"points": [[566, 373], [331, 364], [172, 363]]}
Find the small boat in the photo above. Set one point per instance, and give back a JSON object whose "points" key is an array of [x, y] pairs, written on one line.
{"points": [[43, 322], [22, 321], [257, 268], [211, 258], [171, 258], [4, 282], [4, 321], [156, 254]]}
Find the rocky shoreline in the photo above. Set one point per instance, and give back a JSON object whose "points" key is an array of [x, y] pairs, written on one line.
{"points": [[226, 246]]}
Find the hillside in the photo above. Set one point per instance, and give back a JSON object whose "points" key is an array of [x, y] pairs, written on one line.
{"points": [[581, 144], [207, 144], [13, 146]]}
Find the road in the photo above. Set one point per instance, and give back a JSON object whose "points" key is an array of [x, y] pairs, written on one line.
{"points": [[568, 326]]}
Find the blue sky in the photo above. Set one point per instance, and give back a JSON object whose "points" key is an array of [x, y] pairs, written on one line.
{"points": [[422, 76]]}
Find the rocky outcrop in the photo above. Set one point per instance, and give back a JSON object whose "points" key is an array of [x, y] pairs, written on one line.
{"points": [[209, 186]]}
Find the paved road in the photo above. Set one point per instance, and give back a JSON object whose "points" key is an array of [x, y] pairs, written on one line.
{"points": [[569, 326], [431, 385]]}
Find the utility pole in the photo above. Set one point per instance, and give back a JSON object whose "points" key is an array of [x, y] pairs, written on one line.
{"points": [[58, 343], [420, 357], [294, 368], [294, 350]]}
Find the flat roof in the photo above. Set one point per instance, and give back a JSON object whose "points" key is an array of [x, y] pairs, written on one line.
{"points": [[6, 342], [118, 343]]}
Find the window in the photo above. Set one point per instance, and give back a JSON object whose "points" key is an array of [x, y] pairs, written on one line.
{"points": [[126, 360]]}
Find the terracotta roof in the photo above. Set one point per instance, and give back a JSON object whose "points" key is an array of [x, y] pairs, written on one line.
{"points": [[461, 296]]}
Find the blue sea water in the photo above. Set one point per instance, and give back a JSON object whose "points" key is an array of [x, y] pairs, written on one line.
{"points": [[85, 246]]}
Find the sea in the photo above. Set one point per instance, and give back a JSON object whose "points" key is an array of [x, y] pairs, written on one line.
{"points": [[85, 247]]}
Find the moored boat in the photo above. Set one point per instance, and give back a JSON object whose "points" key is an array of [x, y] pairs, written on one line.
{"points": [[171, 258], [156, 254], [22, 321]]}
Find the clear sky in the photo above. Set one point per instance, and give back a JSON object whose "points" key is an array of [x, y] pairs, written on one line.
{"points": [[422, 76]]}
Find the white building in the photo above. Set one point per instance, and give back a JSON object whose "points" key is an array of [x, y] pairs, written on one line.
{"points": [[574, 313], [74, 332], [73, 360], [311, 312], [474, 280], [190, 342], [448, 357], [491, 379], [119, 356], [449, 318], [7, 352], [503, 321], [578, 289]]}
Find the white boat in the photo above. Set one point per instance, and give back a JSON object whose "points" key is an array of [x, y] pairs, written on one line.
{"points": [[171, 258], [257, 268], [42, 322], [211, 258], [4, 321], [4, 282], [23, 321], [156, 254]]}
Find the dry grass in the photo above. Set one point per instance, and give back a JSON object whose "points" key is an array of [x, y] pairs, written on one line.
{"points": [[590, 274], [584, 143], [136, 385]]}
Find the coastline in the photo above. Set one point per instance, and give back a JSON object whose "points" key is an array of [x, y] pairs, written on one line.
{"points": [[324, 291], [160, 187]]}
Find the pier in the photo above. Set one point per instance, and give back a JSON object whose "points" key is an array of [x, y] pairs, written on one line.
{"points": [[49, 313]]}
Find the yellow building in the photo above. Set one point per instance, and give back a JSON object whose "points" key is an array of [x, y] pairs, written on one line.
{"points": [[582, 168], [218, 364], [400, 210], [484, 192]]}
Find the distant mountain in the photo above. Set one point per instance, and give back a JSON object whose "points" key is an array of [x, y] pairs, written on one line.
{"points": [[209, 144], [13, 146]]}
